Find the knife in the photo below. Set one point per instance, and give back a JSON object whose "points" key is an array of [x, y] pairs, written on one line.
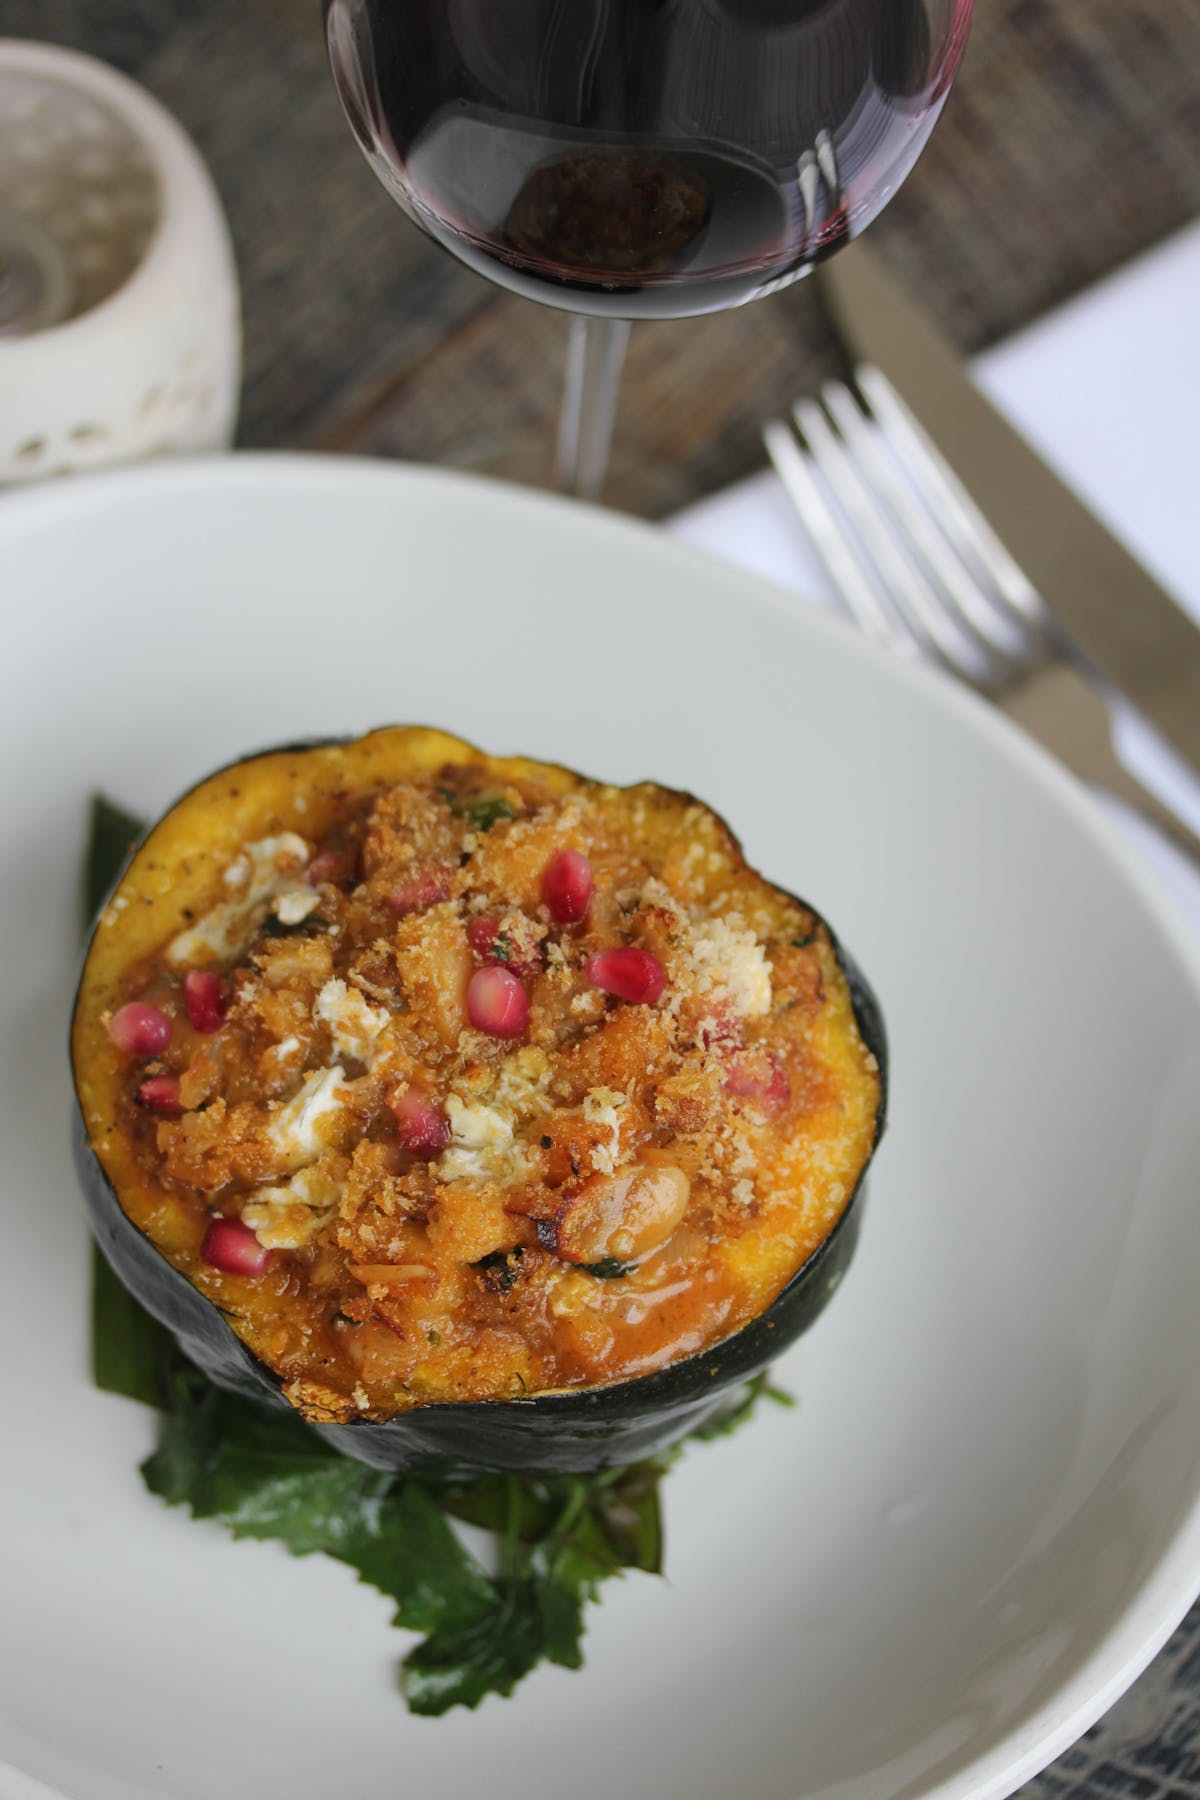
{"points": [[1114, 614]]}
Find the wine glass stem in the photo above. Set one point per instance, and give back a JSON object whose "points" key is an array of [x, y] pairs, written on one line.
{"points": [[595, 352]]}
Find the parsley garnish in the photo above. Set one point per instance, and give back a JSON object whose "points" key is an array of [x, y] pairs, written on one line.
{"points": [[609, 1268], [483, 810]]}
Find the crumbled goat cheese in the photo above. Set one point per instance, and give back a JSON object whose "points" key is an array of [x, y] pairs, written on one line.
{"points": [[291, 1214], [521, 1081], [354, 1026], [483, 1140], [481, 1143], [293, 906], [601, 1106], [475, 1126], [264, 872], [294, 1127]]}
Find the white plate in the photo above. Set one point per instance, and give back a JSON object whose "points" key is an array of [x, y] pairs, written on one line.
{"points": [[982, 1519]]}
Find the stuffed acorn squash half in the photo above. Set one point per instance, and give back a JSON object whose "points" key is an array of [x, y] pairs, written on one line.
{"points": [[485, 1114]]}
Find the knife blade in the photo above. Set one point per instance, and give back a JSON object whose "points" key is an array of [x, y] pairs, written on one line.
{"points": [[1116, 614], [1068, 715]]}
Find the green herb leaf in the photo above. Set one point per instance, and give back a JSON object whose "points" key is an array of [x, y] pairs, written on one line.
{"points": [[609, 1268], [500, 1268], [112, 834], [730, 1418], [486, 1501], [483, 810], [459, 1664], [537, 1611], [267, 1475], [614, 1514], [128, 1346], [628, 1505], [416, 1559]]}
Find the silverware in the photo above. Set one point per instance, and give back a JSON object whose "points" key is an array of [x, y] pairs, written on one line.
{"points": [[919, 569], [1116, 615]]}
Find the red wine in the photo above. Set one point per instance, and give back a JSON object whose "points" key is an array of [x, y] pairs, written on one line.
{"points": [[643, 158]]}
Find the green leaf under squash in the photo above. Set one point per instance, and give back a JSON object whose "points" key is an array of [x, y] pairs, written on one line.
{"points": [[128, 1346], [112, 834], [622, 1505], [459, 1665], [267, 1475], [728, 1420]]}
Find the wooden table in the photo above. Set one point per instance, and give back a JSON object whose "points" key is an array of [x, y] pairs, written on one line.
{"points": [[1071, 142]]}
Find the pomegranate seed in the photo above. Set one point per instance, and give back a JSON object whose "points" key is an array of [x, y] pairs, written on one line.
{"points": [[233, 1248], [161, 1094], [496, 1002], [720, 1026], [628, 974], [205, 1000], [482, 935], [761, 1080], [492, 944], [423, 1130], [332, 866], [421, 891], [140, 1029], [567, 886]]}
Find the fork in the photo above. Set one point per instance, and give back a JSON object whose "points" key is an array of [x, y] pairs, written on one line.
{"points": [[919, 569]]}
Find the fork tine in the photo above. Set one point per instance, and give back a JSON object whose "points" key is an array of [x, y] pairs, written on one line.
{"points": [[865, 606], [994, 624], [949, 500], [1063, 702], [911, 594]]}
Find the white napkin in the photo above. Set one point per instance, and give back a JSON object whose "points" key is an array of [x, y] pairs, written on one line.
{"points": [[1107, 389]]}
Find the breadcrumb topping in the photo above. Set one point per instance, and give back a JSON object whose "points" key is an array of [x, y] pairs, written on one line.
{"points": [[492, 1148]]}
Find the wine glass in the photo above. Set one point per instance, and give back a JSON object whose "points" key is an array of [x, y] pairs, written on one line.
{"points": [[640, 159]]}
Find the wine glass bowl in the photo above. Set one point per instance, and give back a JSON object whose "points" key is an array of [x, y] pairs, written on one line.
{"points": [[643, 158], [640, 159]]}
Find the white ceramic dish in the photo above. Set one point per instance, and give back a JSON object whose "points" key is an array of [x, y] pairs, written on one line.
{"points": [[982, 1519]]}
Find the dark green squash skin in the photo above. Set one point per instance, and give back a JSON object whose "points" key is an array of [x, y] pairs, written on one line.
{"points": [[575, 1430]]}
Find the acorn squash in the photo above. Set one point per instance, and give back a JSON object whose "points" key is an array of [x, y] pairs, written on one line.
{"points": [[166, 1157]]}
